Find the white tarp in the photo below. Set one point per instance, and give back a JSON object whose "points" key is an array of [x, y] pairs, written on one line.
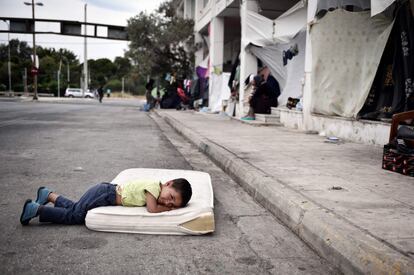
{"points": [[289, 76], [290, 23], [318, 5], [272, 57], [295, 70], [376, 6], [289, 31], [346, 51], [259, 29], [219, 91]]}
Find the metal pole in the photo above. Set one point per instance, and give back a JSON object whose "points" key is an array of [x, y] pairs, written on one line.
{"points": [[34, 52], [9, 65], [11, 93], [123, 80], [85, 61], [26, 92], [68, 72], [58, 80]]}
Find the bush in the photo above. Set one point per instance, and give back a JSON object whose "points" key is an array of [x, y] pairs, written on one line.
{"points": [[114, 85], [17, 87]]}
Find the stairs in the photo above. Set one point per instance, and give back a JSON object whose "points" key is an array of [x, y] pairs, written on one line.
{"points": [[272, 119]]}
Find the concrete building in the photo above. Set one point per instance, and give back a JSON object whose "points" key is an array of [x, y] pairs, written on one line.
{"points": [[224, 30]]}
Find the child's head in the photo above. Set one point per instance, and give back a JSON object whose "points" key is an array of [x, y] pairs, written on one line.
{"points": [[175, 193]]}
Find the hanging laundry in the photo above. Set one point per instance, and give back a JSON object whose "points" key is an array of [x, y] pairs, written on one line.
{"points": [[290, 53]]}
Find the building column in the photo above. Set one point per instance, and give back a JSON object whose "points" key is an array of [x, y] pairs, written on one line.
{"points": [[248, 62], [307, 91], [216, 33], [198, 55]]}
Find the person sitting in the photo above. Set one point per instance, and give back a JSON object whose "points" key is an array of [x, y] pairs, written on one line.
{"points": [[272, 85], [262, 98]]}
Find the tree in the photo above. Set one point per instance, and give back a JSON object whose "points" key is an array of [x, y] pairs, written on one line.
{"points": [[123, 66], [102, 70], [20, 59], [161, 42]]}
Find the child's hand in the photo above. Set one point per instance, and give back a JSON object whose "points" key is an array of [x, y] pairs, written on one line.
{"points": [[153, 206]]}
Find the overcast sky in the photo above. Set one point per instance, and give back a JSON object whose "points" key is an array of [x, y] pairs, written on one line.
{"points": [[115, 12]]}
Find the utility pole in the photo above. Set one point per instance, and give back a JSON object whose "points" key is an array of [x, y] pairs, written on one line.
{"points": [[34, 69], [68, 68], [85, 61], [58, 78], [26, 92], [11, 93], [123, 83]]}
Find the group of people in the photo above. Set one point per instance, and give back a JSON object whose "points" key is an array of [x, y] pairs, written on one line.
{"points": [[265, 92], [177, 94]]}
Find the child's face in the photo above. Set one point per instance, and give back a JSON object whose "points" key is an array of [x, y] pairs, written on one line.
{"points": [[169, 196]]}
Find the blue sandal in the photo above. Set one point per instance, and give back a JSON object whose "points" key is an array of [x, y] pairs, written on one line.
{"points": [[248, 118], [42, 195], [29, 212]]}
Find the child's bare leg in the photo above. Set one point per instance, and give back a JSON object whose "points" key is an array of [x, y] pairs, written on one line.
{"points": [[52, 197]]}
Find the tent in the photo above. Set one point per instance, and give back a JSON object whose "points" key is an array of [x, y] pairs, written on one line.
{"points": [[288, 35], [375, 6], [219, 91], [346, 51]]}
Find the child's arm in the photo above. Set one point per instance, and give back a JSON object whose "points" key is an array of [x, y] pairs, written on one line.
{"points": [[153, 206]]}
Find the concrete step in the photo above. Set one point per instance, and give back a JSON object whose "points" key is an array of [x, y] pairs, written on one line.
{"points": [[275, 111], [267, 118]]}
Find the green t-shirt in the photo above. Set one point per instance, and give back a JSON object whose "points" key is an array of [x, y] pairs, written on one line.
{"points": [[133, 192]]}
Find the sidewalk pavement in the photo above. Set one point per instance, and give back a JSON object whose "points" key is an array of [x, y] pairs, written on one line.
{"points": [[335, 196]]}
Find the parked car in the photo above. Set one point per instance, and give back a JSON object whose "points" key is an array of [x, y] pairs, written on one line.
{"points": [[76, 92]]}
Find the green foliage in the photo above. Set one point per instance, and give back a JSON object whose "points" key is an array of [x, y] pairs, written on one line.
{"points": [[115, 85], [161, 42], [102, 71]]}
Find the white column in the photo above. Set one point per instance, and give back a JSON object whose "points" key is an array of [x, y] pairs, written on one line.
{"points": [[216, 47], [248, 62], [198, 55], [307, 92]]}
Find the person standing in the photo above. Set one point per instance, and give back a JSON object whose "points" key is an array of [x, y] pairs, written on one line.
{"points": [[100, 93]]}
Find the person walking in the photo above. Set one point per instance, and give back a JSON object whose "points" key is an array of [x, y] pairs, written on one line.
{"points": [[100, 93]]}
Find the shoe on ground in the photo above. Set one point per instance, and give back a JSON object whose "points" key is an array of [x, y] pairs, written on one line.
{"points": [[29, 212], [248, 118], [42, 195]]}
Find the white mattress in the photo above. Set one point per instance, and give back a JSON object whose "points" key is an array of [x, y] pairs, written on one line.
{"points": [[195, 219]]}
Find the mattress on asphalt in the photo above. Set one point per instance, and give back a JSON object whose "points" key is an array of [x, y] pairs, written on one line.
{"points": [[195, 219]]}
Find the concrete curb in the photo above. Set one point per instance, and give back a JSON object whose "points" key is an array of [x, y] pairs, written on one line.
{"points": [[339, 241]]}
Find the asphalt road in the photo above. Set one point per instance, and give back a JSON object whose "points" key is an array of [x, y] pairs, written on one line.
{"points": [[69, 147]]}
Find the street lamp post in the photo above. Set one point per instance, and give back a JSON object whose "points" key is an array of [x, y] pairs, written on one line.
{"points": [[34, 46], [85, 59], [9, 64]]}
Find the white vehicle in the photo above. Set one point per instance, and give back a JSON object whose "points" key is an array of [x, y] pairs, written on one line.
{"points": [[76, 92]]}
